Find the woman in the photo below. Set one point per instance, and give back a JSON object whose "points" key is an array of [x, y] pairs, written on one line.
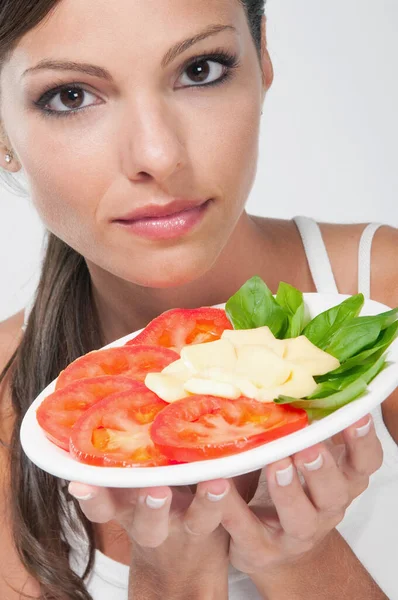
{"points": [[136, 125]]}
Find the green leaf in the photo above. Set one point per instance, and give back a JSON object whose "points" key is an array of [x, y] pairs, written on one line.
{"points": [[385, 339], [292, 301], [350, 388], [337, 400], [352, 337], [367, 371], [324, 325], [385, 319], [254, 306]]}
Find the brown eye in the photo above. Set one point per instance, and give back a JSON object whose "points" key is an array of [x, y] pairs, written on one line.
{"points": [[68, 99], [199, 72], [202, 72], [72, 98]]}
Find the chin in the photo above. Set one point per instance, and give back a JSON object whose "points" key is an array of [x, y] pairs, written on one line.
{"points": [[171, 271]]}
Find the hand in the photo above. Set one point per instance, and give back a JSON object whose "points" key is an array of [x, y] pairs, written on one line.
{"points": [[265, 537], [175, 533]]}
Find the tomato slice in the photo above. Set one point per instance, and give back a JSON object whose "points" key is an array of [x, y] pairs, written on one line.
{"points": [[115, 431], [204, 427], [180, 327], [130, 361], [59, 412]]}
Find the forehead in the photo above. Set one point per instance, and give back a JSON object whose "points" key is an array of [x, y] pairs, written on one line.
{"points": [[89, 29]]}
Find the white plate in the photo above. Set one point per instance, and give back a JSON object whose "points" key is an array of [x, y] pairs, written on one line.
{"points": [[58, 462]]}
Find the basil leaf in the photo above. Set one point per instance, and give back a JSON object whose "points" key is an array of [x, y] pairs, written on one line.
{"points": [[366, 371], [386, 337], [292, 301], [352, 337], [385, 319], [254, 306], [324, 325], [337, 400]]}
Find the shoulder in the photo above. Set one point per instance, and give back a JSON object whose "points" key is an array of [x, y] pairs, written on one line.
{"points": [[12, 573], [10, 337], [342, 242]]}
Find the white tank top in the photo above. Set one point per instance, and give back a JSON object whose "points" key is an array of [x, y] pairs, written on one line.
{"points": [[370, 526]]}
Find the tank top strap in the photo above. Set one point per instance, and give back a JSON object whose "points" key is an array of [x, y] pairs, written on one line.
{"points": [[364, 258], [317, 255]]}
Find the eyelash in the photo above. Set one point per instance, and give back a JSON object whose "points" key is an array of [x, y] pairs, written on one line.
{"points": [[229, 60]]}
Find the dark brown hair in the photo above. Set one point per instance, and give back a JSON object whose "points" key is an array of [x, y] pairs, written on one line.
{"points": [[54, 337]]}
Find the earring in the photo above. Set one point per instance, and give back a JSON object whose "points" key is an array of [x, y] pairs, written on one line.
{"points": [[8, 158]]}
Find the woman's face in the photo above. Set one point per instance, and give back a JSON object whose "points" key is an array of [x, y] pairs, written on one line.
{"points": [[145, 124]]}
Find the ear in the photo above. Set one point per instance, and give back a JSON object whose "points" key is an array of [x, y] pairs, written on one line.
{"points": [[266, 63], [13, 165]]}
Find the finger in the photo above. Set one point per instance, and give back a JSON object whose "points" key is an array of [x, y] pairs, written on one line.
{"points": [[251, 541], [205, 511], [298, 516], [150, 522], [326, 484], [364, 453], [96, 503]]}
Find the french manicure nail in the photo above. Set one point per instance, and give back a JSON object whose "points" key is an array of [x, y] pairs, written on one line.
{"points": [[87, 497], [315, 465], [285, 476], [155, 503], [216, 497], [362, 431], [80, 496]]}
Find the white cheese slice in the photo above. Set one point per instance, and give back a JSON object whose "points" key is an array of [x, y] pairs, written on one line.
{"points": [[261, 336], [208, 387], [262, 366], [246, 387], [302, 352], [167, 387], [178, 369], [299, 385], [220, 353]]}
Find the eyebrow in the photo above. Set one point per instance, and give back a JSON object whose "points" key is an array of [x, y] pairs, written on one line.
{"points": [[95, 71]]}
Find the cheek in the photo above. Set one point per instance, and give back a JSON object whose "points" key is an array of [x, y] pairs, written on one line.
{"points": [[226, 150], [68, 173]]}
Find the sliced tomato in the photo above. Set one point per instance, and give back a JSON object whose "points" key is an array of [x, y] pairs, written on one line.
{"points": [[203, 427], [59, 412], [115, 431], [180, 327], [134, 362]]}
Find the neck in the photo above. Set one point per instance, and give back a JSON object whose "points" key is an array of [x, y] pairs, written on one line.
{"points": [[124, 307]]}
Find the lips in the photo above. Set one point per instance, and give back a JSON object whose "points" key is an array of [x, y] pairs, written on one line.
{"points": [[171, 221], [154, 211]]}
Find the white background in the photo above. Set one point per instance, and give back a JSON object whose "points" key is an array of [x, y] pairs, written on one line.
{"points": [[329, 138]]}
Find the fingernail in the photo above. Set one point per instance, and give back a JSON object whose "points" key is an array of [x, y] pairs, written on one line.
{"points": [[216, 497], [362, 431], [315, 465], [80, 496], [155, 502], [285, 476]]}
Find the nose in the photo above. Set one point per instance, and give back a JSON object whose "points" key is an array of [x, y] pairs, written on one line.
{"points": [[153, 147]]}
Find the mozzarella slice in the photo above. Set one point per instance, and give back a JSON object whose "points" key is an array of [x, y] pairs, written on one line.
{"points": [[208, 387], [261, 366], [220, 353], [304, 353], [299, 385], [167, 387], [178, 369], [261, 336], [246, 387]]}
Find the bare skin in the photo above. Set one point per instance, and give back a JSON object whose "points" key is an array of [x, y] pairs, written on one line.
{"points": [[147, 137]]}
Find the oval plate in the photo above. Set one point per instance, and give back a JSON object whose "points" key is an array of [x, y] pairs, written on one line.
{"points": [[58, 462]]}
